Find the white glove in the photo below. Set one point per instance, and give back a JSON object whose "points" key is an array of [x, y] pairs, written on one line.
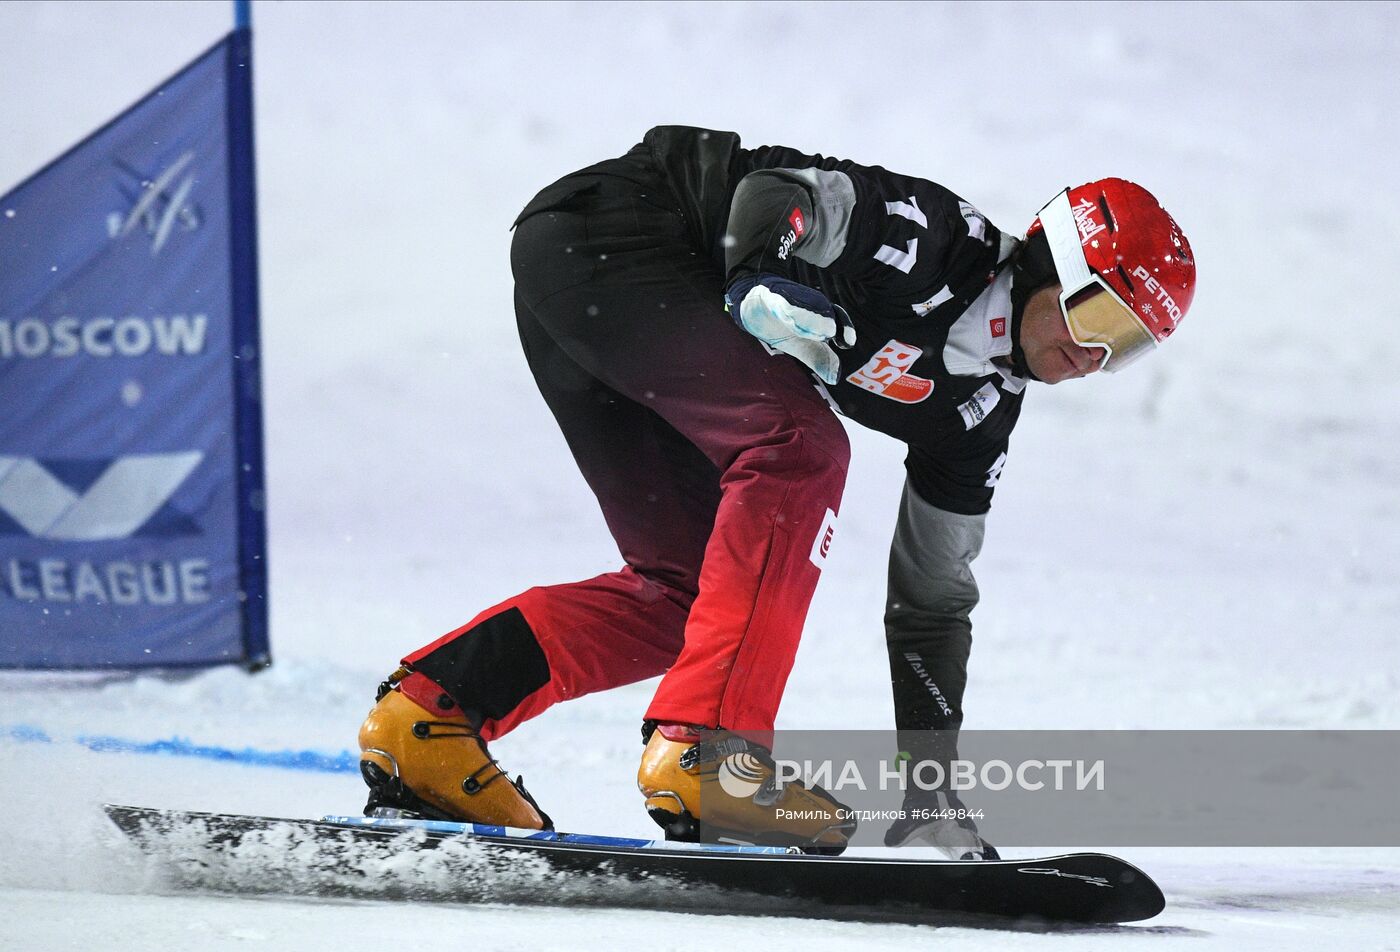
{"points": [[793, 319]]}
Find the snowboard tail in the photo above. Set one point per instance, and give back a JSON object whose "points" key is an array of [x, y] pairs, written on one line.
{"points": [[462, 862]]}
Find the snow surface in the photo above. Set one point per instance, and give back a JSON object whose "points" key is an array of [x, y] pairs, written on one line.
{"points": [[1237, 569]]}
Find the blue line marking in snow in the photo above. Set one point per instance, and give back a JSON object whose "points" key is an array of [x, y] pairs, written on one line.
{"points": [[310, 760], [26, 733]]}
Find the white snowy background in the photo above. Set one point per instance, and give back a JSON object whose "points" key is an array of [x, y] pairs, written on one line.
{"points": [[1210, 541]]}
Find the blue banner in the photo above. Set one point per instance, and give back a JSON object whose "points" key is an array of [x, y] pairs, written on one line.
{"points": [[131, 471]]}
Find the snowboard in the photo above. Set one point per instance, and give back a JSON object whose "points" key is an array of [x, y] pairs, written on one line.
{"points": [[465, 862]]}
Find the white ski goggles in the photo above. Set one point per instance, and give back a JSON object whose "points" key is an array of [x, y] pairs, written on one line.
{"points": [[1094, 313]]}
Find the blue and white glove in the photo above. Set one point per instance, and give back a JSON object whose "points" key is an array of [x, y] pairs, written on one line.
{"points": [[791, 318]]}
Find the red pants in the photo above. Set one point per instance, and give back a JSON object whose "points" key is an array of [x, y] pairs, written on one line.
{"points": [[719, 468]]}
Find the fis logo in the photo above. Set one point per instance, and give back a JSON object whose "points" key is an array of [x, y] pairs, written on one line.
{"points": [[158, 203], [95, 500], [887, 373]]}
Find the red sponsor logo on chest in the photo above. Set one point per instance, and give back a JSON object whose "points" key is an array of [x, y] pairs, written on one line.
{"points": [[998, 327], [887, 373]]}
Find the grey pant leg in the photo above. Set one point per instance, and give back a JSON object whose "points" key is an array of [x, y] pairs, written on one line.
{"points": [[928, 628]]}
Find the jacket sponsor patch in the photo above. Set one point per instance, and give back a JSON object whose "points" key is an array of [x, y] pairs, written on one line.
{"points": [[925, 308], [887, 373], [821, 546], [979, 405]]}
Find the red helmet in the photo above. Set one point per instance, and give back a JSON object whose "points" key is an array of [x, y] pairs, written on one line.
{"points": [[1126, 238]]}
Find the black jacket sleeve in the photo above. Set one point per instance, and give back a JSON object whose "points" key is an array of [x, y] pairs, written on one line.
{"points": [[898, 236]]}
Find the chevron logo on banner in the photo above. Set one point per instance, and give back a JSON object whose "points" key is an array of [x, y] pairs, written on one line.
{"points": [[126, 494]]}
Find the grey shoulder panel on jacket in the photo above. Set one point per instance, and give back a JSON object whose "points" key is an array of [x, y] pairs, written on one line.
{"points": [[833, 201]]}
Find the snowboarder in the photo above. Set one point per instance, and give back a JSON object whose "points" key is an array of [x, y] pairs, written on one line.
{"points": [[712, 447]]}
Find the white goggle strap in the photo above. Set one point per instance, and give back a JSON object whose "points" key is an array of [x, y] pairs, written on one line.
{"points": [[1062, 234]]}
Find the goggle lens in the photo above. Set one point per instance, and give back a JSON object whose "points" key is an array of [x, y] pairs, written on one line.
{"points": [[1097, 317]]}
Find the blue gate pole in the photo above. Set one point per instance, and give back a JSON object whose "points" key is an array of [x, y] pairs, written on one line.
{"points": [[252, 532]]}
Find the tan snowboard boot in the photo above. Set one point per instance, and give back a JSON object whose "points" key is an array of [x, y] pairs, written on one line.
{"points": [[741, 801], [433, 763]]}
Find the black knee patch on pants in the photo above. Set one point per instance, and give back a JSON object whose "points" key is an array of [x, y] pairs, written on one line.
{"points": [[490, 668]]}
